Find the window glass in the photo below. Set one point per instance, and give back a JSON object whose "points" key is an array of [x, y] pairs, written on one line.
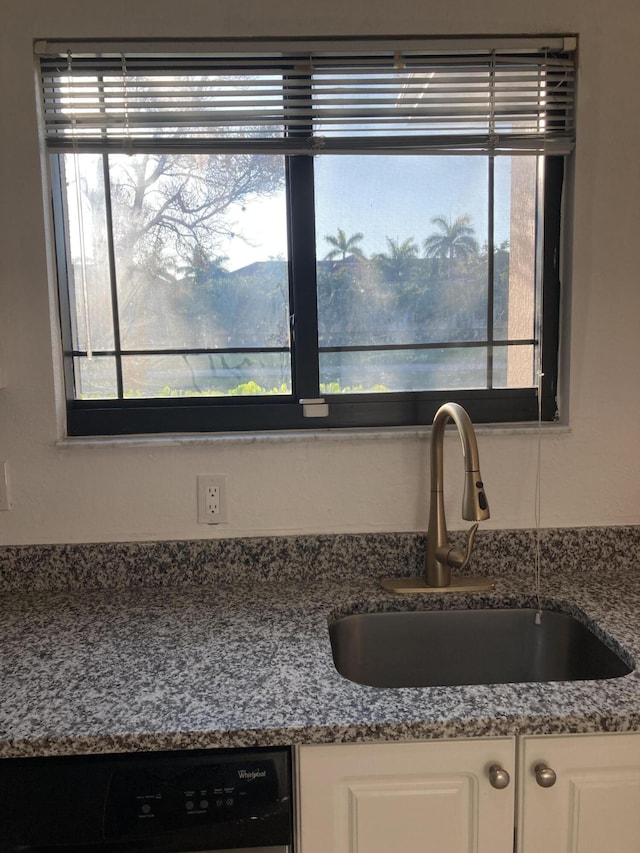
{"points": [[190, 375], [403, 267], [87, 242], [404, 370], [199, 262], [514, 269], [96, 377]]}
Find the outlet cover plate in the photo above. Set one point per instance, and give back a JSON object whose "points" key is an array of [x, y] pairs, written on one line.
{"points": [[212, 499]]}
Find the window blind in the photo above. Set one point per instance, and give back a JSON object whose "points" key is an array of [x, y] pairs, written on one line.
{"points": [[481, 97]]}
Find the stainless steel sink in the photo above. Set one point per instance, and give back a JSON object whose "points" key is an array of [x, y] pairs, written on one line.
{"points": [[453, 647]]}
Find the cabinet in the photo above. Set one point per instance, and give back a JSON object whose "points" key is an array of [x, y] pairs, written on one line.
{"points": [[409, 797], [440, 796], [594, 805]]}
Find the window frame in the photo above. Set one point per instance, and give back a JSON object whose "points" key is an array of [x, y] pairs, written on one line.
{"points": [[366, 410]]}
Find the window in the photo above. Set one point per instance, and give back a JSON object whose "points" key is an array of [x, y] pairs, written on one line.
{"points": [[324, 234]]}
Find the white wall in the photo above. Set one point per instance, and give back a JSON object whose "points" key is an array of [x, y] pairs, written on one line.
{"points": [[590, 473]]}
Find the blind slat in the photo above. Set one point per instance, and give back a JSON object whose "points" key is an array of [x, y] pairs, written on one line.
{"points": [[498, 101]]}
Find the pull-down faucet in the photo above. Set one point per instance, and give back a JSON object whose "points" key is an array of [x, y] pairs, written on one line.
{"points": [[441, 556]]}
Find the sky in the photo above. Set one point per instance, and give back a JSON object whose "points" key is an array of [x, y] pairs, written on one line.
{"points": [[379, 196]]}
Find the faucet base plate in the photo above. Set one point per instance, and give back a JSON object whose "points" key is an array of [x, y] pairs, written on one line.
{"points": [[459, 583]]}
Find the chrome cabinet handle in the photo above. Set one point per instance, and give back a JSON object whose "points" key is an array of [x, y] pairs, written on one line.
{"points": [[545, 776], [498, 777]]}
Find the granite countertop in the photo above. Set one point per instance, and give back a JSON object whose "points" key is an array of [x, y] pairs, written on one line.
{"points": [[242, 658]]}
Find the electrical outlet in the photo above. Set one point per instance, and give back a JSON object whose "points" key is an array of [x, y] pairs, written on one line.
{"points": [[212, 499]]}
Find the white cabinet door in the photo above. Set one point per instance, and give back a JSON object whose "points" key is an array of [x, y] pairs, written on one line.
{"points": [[594, 805], [406, 797]]}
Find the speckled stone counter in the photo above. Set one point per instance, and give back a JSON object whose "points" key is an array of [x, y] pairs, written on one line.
{"points": [[197, 645]]}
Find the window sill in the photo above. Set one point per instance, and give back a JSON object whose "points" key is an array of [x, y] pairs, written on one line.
{"points": [[283, 437]]}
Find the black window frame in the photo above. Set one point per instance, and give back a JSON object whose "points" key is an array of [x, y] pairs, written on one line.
{"points": [[366, 410]]}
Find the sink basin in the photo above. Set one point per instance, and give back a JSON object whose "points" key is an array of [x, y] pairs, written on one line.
{"points": [[452, 647]]}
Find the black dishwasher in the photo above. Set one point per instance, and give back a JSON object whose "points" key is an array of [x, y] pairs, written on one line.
{"points": [[204, 800]]}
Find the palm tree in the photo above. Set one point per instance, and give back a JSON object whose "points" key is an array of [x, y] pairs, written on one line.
{"points": [[202, 269], [343, 246], [399, 262], [455, 240]]}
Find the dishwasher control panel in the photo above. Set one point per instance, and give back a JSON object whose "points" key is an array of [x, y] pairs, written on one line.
{"points": [[143, 800]]}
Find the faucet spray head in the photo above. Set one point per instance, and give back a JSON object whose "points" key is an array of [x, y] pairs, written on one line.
{"points": [[475, 506]]}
